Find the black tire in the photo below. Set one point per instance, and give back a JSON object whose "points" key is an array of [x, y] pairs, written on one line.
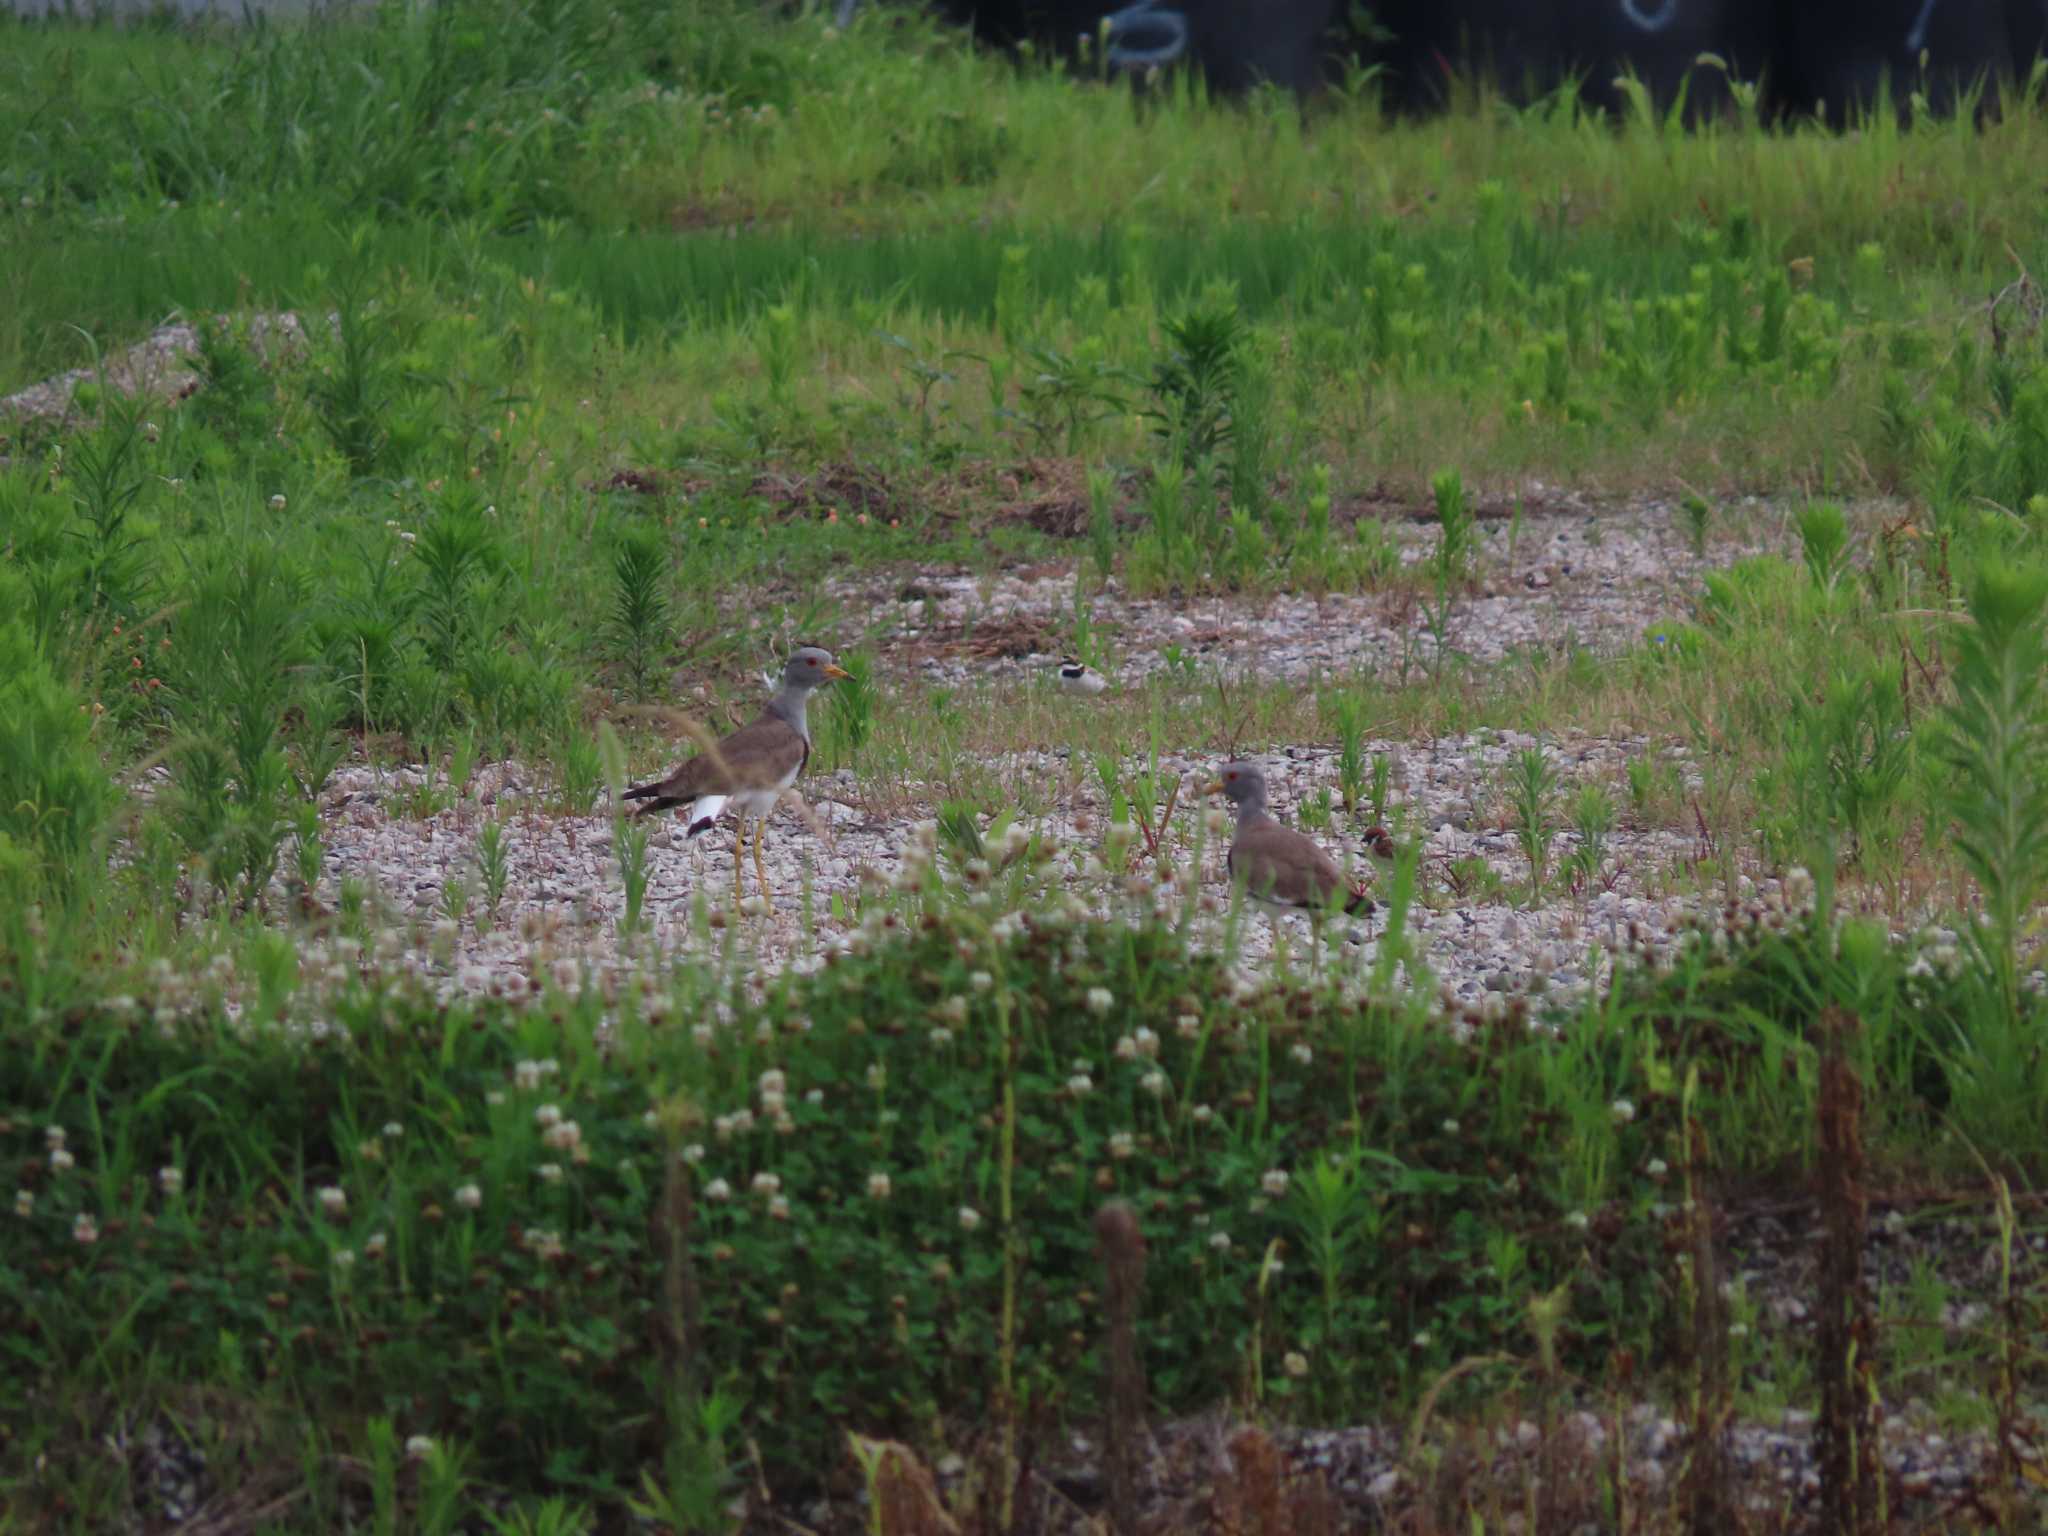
{"points": [[1836, 57]]}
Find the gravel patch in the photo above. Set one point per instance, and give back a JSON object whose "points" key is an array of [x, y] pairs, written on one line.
{"points": [[1573, 575], [157, 367], [564, 898], [1932, 1476], [1936, 1479]]}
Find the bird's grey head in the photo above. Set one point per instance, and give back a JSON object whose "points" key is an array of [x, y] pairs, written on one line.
{"points": [[1242, 784], [811, 667]]}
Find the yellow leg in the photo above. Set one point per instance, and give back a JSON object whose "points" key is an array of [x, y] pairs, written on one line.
{"points": [[761, 874], [739, 848]]}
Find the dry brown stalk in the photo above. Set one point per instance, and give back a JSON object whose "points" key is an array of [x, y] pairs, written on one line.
{"points": [[903, 1500], [1846, 1434], [1706, 1495], [676, 1329], [1122, 1247]]}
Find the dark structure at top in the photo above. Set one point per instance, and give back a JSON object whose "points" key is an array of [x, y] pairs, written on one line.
{"points": [[1825, 56]]}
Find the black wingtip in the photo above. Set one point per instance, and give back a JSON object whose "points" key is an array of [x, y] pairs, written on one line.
{"points": [[1360, 905]]}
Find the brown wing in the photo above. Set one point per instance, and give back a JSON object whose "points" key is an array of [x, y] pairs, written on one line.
{"points": [[756, 756], [1284, 867]]}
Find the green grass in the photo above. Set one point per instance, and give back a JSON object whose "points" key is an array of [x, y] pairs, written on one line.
{"points": [[630, 332], [456, 1217]]}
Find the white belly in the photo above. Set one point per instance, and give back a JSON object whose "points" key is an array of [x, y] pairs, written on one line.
{"points": [[746, 803], [757, 802]]}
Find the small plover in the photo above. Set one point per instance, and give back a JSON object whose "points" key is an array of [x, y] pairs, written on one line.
{"points": [[1076, 676]]}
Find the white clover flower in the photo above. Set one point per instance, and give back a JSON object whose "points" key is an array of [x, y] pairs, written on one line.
{"points": [[1451, 1127], [1188, 1025], [878, 1186], [1126, 1048], [1080, 1084], [374, 1245], [544, 1244], [1203, 1114], [970, 1218], [53, 1137], [1122, 1145], [1147, 1041], [170, 1179], [277, 502], [742, 1121], [1656, 1168], [774, 1105], [334, 1200], [547, 1115], [778, 1207], [703, 1034], [767, 1184], [954, 1009], [1274, 1182], [1424, 1339], [1578, 1221], [563, 1136], [878, 1076], [980, 981], [1100, 1000], [343, 1259], [61, 1161], [469, 1197], [419, 1447], [1301, 1053], [1295, 1364], [494, 1097], [1154, 1083], [940, 1037], [718, 1189], [1220, 1241], [393, 1130], [774, 1081], [1623, 1111], [24, 1202], [549, 1173], [84, 1230]]}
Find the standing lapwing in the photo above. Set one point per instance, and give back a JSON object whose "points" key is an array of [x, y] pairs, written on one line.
{"points": [[749, 769], [1276, 865]]}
